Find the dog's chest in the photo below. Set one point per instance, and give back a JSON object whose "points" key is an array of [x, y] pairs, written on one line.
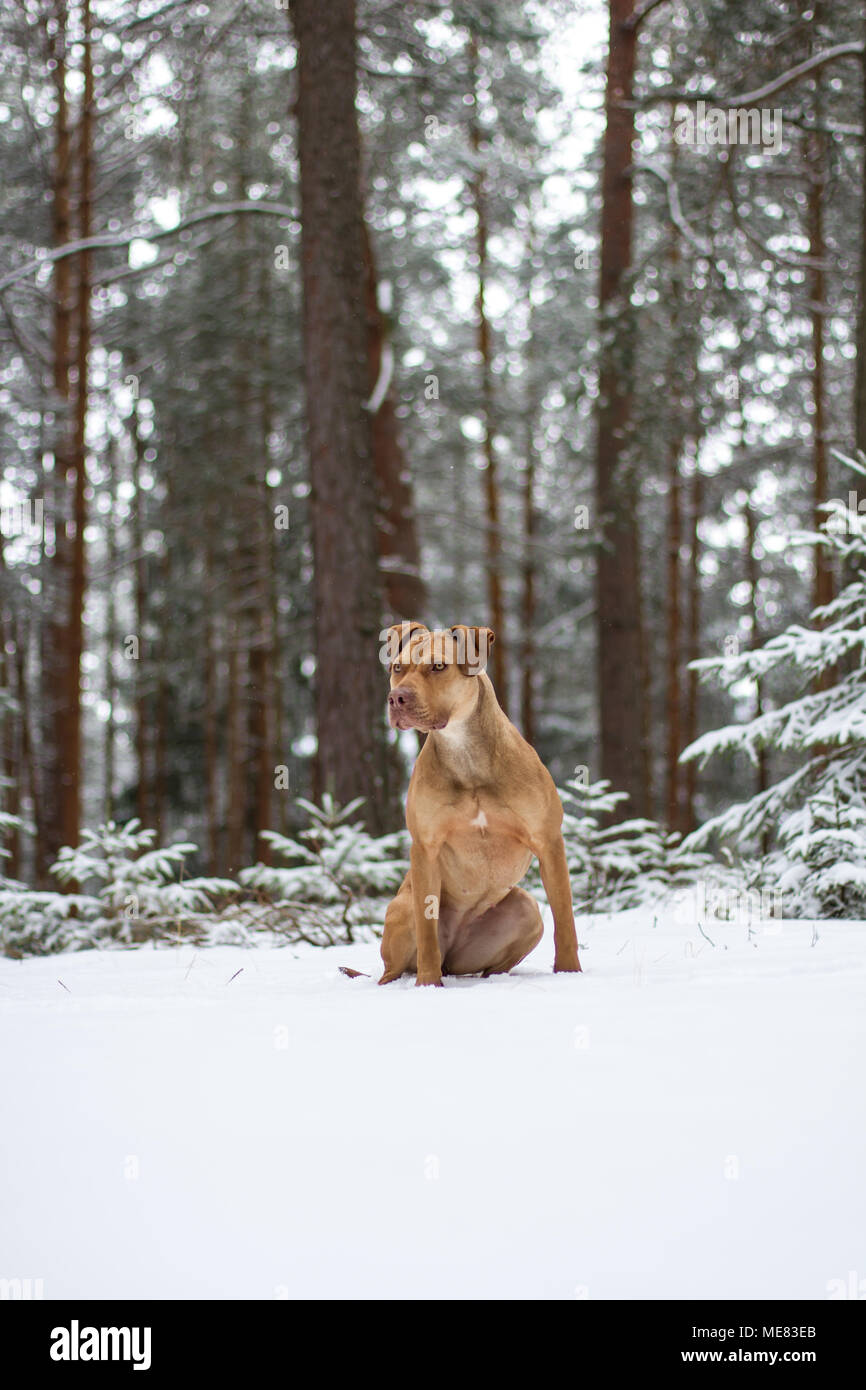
{"points": [[485, 850], [479, 822]]}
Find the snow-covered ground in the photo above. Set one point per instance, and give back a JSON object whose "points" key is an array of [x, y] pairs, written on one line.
{"points": [[682, 1120]]}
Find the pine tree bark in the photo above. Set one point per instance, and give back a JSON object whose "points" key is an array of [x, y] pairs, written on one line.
{"points": [[260, 712], [160, 741], [264, 723], [816, 172], [675, 433], [527, 674], [70, 787], [235, 751], [860, 385], [58, 774], [352, 758], [753, 575], [248, 728], [28, 773], [140, 683], [211, 741], [674, 640], [110, 730], [693, 638], [498, 666], [278, 672], [399, 551], [622, 697], [11, 707]]}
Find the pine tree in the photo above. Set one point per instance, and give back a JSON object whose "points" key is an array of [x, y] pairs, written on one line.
{"points": [[813, 815]]}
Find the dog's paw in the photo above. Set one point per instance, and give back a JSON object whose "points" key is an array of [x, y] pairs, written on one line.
{"points": [[428, 978], [569, 967]]}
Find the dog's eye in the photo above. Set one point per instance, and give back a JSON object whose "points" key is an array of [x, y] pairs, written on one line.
{"points": [[396, 668], [438, 666]]}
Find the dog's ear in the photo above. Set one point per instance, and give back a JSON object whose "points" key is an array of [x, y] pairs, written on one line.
{"points": [[473, 648], [395, 639]]}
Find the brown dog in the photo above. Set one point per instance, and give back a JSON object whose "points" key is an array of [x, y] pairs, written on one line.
{"points": [[480, 805]]}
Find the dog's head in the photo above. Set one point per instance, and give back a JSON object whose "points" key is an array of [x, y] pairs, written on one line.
{"points": [[433, 674]]}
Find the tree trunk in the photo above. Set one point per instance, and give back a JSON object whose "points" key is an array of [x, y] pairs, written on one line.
{"points": [[11, 707], [211, 743], [399, 552], [70, 788], [110, 731], [265, 710], [816, 171], [498, 668], [693, 638], [140, 682], [29, 777], [161, 718], [674, 639], [753, 575], [527, 675], [236, 751], [259, 711], [58, 772], [618, 607], [675, 436], [352, 752], [860, 389], [280, 745]]}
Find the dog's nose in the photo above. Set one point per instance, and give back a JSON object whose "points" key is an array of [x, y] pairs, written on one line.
{"points": [[398, 699]]}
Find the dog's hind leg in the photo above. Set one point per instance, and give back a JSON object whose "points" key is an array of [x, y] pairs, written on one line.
{"points": [[497, 940], [399, 947]]}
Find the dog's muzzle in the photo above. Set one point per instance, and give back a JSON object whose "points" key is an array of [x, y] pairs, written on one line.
{"points": [[403, 713]]}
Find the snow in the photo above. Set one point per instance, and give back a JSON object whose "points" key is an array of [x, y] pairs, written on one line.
{"points": [[682, 1120]]}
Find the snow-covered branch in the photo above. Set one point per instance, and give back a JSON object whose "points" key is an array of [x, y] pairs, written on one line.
{"points": [[117, 240], [818, 60], [786, 79], [641, 12], [674, 207]]}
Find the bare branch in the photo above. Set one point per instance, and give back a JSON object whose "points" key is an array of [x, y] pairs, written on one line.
{"points": [[30, 349], [111, 277], [637, 17], [800, 263], [840, 50], [116, 240], [386, 371], [674, 207], [151, 18]]}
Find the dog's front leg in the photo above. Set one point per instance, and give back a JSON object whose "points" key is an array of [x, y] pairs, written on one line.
{"points": [[557, 886], [426, 889]]}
